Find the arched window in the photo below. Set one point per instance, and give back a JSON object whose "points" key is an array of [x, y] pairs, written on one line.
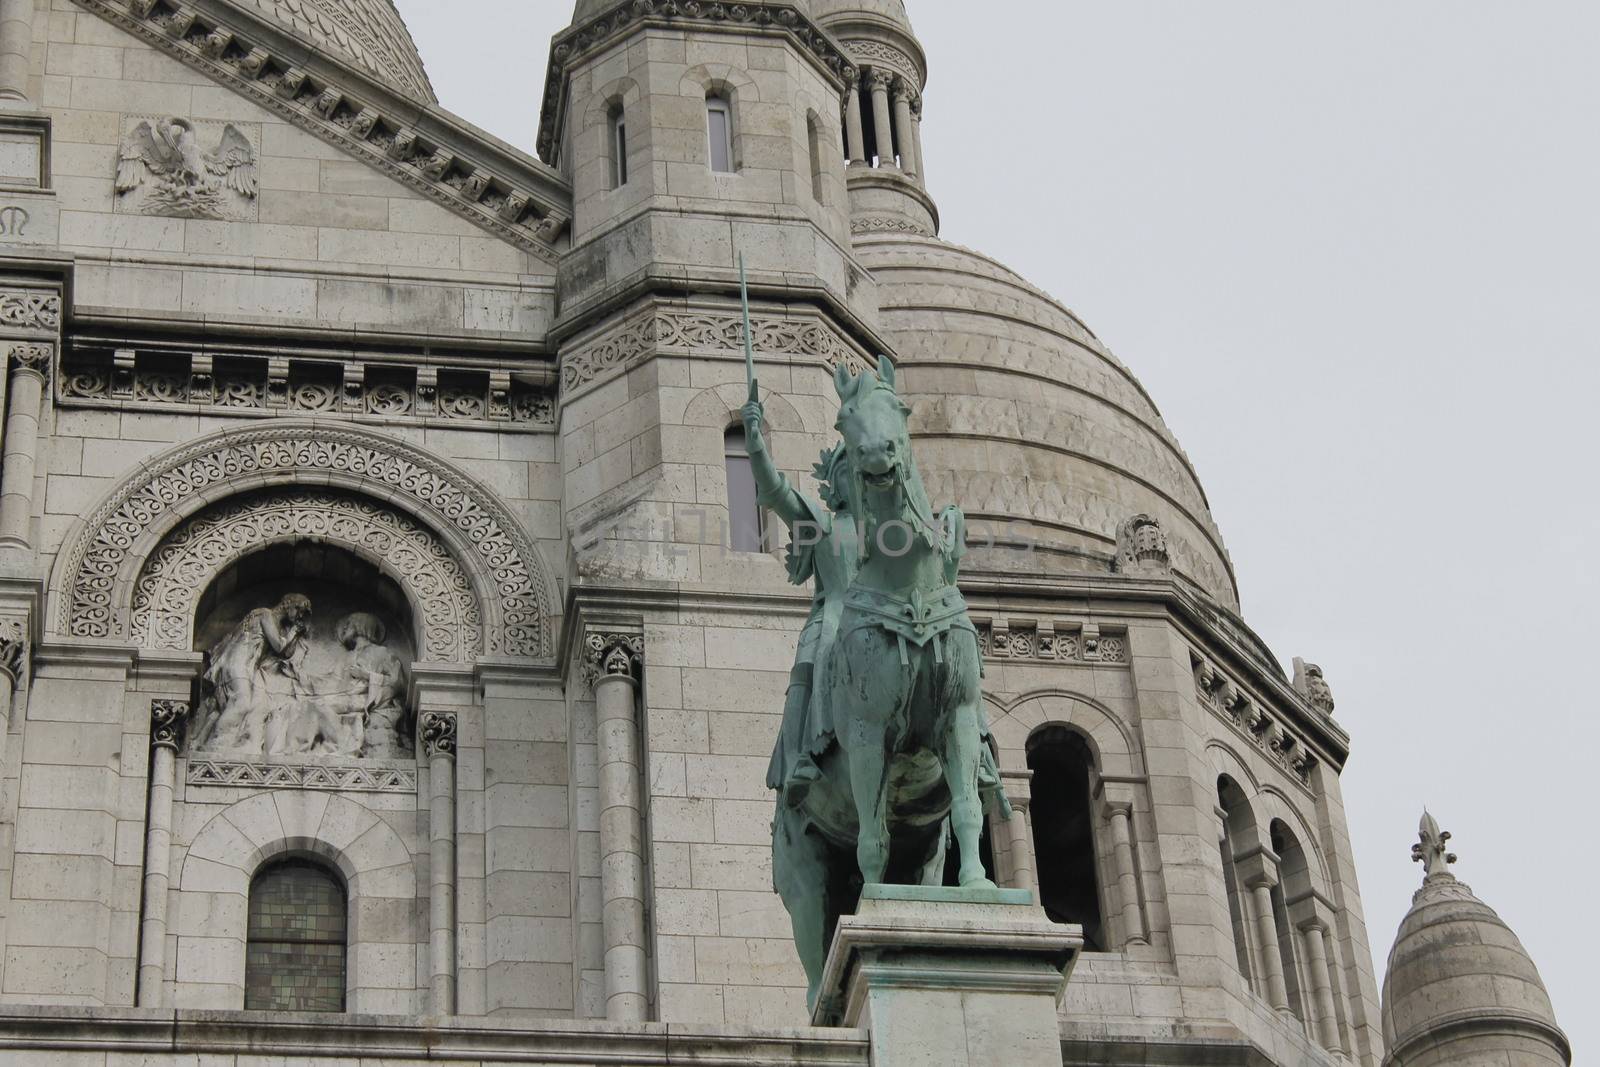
{"points": [[719, 131], [295, 947], [1294, 881], [1236, 823], [617, 145], [746, 524], [1063, 832], [814, 140]]}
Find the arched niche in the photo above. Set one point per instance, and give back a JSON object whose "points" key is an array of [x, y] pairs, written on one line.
{"points": [[96, 574]]}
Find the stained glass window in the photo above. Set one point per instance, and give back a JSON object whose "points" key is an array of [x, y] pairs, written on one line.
{"points": [[295, 949]]}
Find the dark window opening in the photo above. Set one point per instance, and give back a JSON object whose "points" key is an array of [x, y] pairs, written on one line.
{"points": [[719, 129], [1063, 834], [746, 523], [618, 137]]}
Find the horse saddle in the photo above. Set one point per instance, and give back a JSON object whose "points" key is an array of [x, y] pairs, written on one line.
{"points": [[917, 620]]}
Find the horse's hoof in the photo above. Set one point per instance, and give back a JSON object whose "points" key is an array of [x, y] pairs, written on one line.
{"points": [[979, 883]]}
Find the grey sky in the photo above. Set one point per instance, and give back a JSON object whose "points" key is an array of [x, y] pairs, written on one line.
{"points": [[1350, 248]]}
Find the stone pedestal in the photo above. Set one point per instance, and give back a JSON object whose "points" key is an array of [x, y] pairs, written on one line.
{"points": [[950, 977]]}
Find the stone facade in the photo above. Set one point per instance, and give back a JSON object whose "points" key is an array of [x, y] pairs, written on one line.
{"points": [[277, 333]]}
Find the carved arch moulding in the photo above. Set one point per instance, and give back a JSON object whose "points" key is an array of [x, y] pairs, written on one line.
{"points": [[409, 497]]}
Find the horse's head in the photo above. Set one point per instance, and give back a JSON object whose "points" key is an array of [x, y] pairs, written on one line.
{"points": [[872, 421]]}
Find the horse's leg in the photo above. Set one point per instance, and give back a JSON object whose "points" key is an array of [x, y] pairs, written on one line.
{"points": [[962, 748], [867, 693], [800, 874], [933, 870], [869, 782]]}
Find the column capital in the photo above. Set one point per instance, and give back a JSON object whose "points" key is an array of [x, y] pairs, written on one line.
{"points": [[168, 718], [612, 655], [1258, 868], [1018, 788], [32, 357], [881, 79], [901, 90], [437, 729]]}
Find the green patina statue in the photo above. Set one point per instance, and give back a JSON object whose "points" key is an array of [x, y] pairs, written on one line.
{"points": [[884, 749]]}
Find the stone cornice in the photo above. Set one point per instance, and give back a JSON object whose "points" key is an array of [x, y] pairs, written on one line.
{"points": [[626, 16], [473, 174]]}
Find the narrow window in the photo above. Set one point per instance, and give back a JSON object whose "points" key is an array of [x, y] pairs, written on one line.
{"points": [[619, 148], [295, 945], [745, 520], [719, 127], [814, 138], [1236, 821], [1063, 833], [1293, 881]]}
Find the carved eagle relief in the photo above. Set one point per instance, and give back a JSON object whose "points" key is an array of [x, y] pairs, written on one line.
{"points": [[179, 177]]}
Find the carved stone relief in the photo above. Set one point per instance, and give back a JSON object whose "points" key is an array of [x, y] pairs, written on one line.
{"points": [[187, 169], [98, 566], [1249, 717], [30, 309], [1049, 641], [347, 778], [1309, 683], [1142, 547]]}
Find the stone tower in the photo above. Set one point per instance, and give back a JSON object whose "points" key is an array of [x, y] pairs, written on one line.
{"points": [[1460, 989]]}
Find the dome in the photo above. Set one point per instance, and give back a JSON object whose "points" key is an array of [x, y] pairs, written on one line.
{"points": [[369, 33], [1023, 416], [831, 11], [1460, 986]]}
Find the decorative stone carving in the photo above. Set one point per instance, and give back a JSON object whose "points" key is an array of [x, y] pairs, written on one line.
{"points": [[269, 79], [1430, 850], [438, 732], [276, 687], [1309, 683], [167, 721], [517, 604], [881, 55], [1142, 547], [864, 224], [1049, 641], [13, 647], [311, 385], [600, 32], [612, 656], [168, 591], [1246, 715], [705, 330], [32, 357], [29, 309], [352, 778], [164, 169]]}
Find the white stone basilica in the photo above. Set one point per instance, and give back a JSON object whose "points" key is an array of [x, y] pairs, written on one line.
{"points": [[392, 644]]}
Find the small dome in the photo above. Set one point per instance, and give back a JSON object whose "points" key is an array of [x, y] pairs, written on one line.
{"points": [[1459, 984], [831, 11], [370, 33], [1022, 415]]}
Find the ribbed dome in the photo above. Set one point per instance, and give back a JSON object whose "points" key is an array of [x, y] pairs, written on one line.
{"points": [[369, 32], [826, 11], [1021, 414], [1461, 989]]}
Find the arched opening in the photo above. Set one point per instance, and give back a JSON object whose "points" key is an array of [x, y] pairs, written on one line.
{"points": [[1294, 882], [719, 132], [307, 651], [746, 521], [617, 144], [1237, 824], [814, 143], [295, 945], [1063, 831]]}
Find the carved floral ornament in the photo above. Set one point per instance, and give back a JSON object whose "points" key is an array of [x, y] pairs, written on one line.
{"points": [[30, 309], [704, 330], [1247, 716], [96, 573], [612, 655], [168, 591], [167, 721], [438, 732]]}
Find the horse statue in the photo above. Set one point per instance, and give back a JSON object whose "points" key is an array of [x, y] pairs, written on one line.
{"points": [[884, 750]]}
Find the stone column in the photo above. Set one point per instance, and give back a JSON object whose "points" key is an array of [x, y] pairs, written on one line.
{"points": [[884, 126], [1133, 931], [29, 363], [437, 731], [614, 662], [1259, 872], [16, 48], [1316, 935], [916, 136], [1018, 786], [13, 663], [167, 719], [902, 117], [855, 146]]}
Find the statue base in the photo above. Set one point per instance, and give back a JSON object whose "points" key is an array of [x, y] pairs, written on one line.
{"points": [[945, 977]]}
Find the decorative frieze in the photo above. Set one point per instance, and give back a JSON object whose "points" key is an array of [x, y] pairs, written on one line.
{"points": [[1249, 718], [95, 600], [437, 730], [886, 57], [167, 721], [598, 33], [250, 385], [350, 778], [30, 309], [865, 224], [363, 117], [706, 331], [1050, 641]]}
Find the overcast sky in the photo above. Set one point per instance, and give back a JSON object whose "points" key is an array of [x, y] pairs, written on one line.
{"points": [[1350, 248]]}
